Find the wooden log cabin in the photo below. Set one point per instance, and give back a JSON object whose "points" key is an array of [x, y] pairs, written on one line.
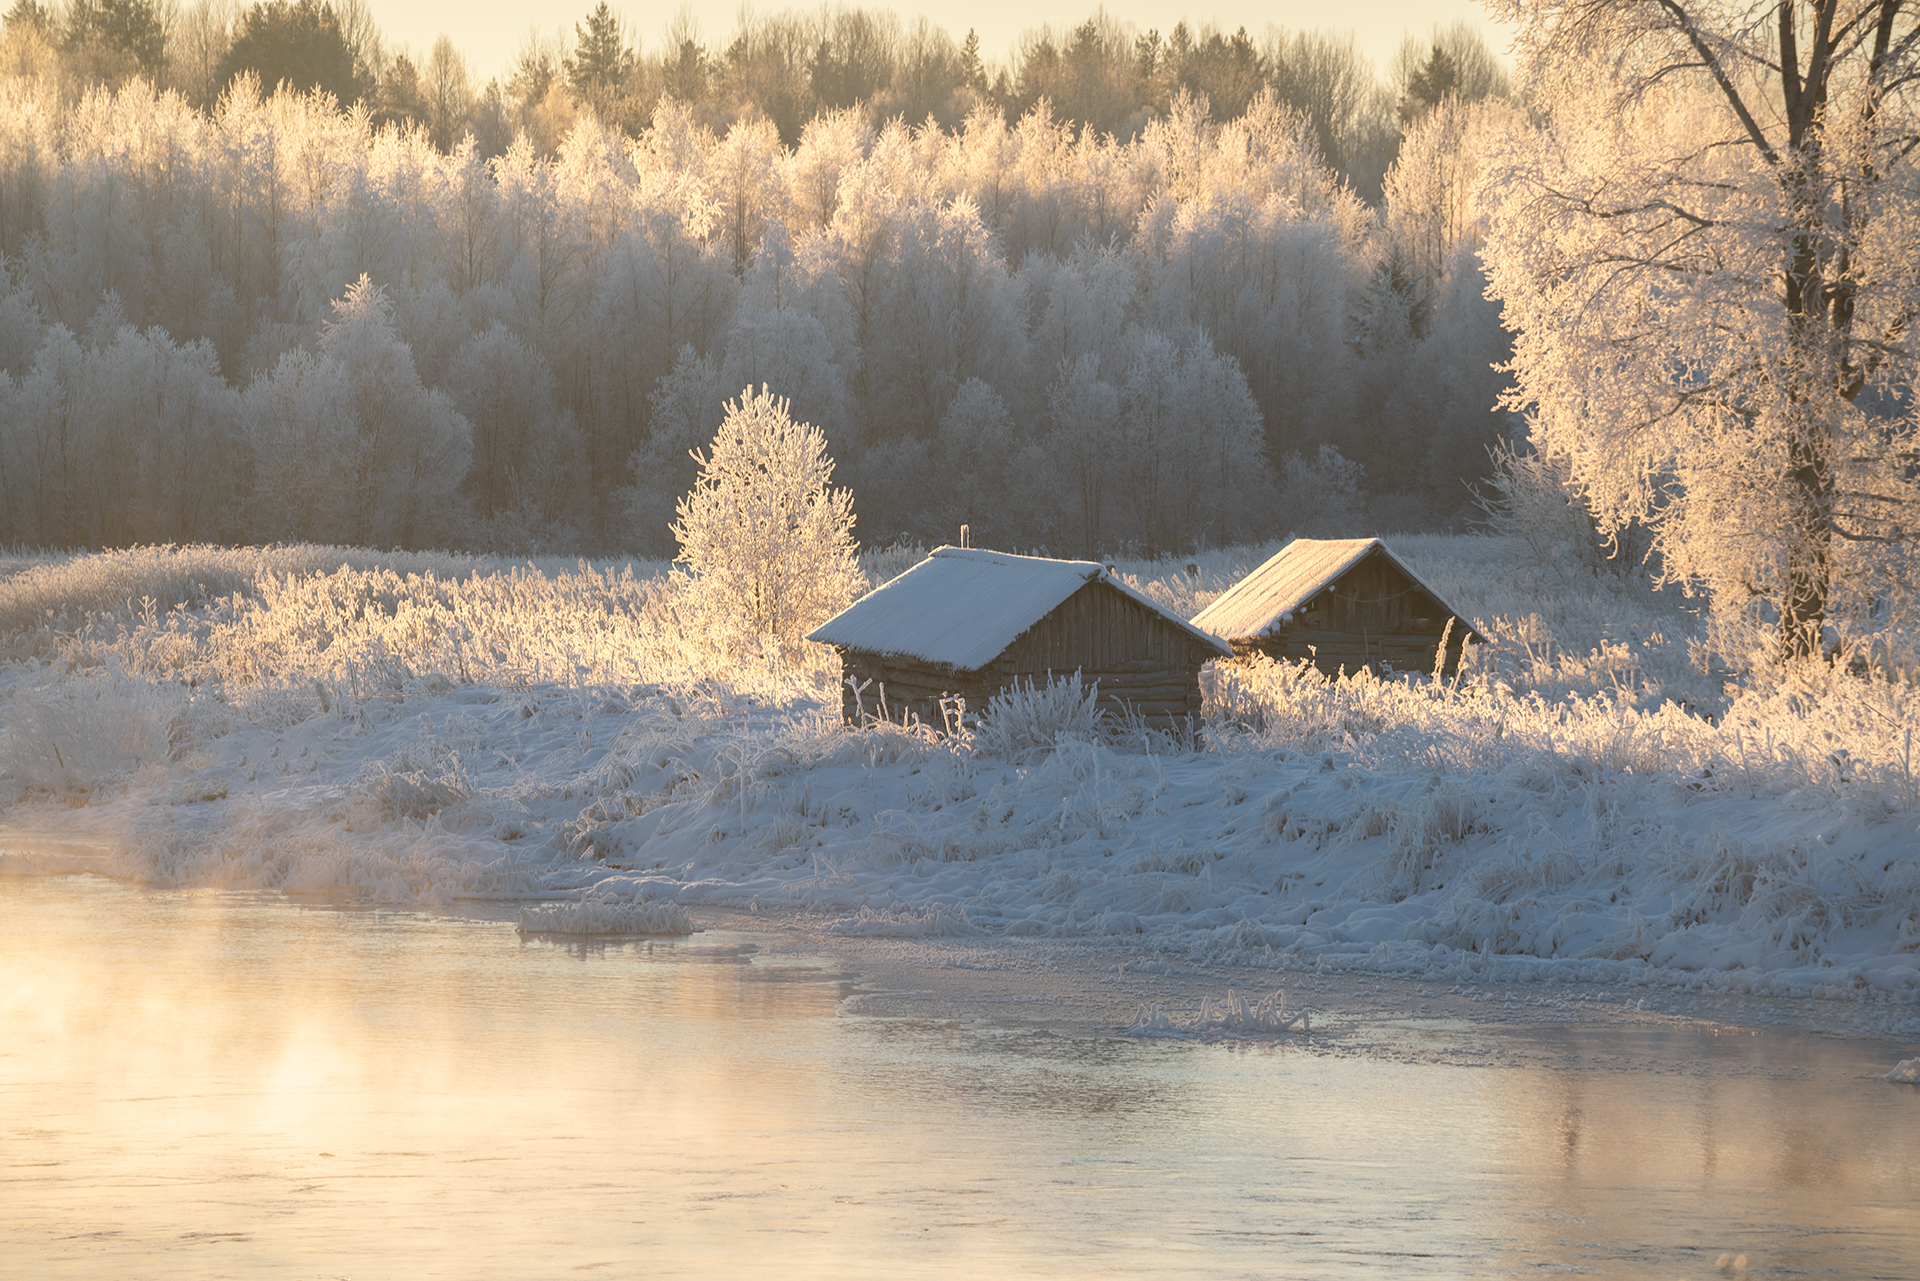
{"points": [[971, 623], [1342, 604]]}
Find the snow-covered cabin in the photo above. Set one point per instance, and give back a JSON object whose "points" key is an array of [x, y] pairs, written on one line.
{"points": [[1343, 603], [973, 623]]}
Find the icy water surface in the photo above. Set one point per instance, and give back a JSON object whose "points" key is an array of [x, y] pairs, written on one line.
{"points": [[203, 1085]]}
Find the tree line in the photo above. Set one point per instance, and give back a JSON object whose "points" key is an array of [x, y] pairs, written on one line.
{"points": [[786, 67], [272, 313]]}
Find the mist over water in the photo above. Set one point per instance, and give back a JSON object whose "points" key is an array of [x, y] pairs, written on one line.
{"points": [[204, 1084]]}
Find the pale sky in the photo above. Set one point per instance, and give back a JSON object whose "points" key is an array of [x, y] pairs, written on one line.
{"points": [[489, 32]]}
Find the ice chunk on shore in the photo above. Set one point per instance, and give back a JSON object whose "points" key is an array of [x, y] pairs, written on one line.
{"points": [[607, 916]]}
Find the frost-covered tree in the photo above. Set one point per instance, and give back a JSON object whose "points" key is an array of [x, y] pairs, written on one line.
{"points": [[112, 437], [1711, 258], [1430, 346], [788, 351], [303, 446], [1320, 496], [1087, 444], [349, 443], [769, 544], [973, 454], [412, 446], [687, 405], [526, 449], [872, 274]]}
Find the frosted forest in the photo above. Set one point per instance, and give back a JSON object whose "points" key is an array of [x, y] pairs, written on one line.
{"points": [[364, 445], [1066, 337]]}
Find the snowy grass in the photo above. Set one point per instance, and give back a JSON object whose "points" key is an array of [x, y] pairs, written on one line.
{"points": [[602, 916], [47, 597], [422, 731]]}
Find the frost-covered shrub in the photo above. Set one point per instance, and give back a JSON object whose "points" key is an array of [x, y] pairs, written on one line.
{"points": [[1030, 719], [1320, 496], [1232, 1015], [1531, 500], [881, 565], [936, 920], [71, 739], [53, 594], [598, 915], [391, 794]]}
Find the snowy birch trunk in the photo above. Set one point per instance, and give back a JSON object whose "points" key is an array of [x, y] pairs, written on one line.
{"points": [[1714, 302]]}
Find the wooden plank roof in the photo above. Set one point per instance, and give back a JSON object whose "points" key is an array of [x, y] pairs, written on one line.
{"points": [[963, 606], [1260, 602]]}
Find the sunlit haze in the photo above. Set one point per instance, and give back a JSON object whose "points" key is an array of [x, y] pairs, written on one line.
{"points": [[489, 34]]}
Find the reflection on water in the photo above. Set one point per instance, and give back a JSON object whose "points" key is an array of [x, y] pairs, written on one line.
{"points": [[196, 1084]]}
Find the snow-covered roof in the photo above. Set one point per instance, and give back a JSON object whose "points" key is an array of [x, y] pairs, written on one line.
{"points": [[962, 607], [1255, 605]]}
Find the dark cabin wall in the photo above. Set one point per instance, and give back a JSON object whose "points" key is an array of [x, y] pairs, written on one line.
{"points": [[1372, 616], [1143, 663]]}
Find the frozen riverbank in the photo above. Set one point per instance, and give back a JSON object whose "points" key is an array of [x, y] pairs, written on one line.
{"points": [[1543, 868], [369, 737]]}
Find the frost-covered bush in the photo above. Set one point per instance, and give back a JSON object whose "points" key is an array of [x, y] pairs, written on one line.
{"points": [[390, 794], [72, 739], [1531, 500], [1029, 719], [595, 916], [1321, 497], [289, 632], [769, 544], [881, 565]]}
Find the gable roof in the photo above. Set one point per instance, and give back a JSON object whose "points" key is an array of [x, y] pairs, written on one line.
{"points": [[1292, 576], [962, 607]]}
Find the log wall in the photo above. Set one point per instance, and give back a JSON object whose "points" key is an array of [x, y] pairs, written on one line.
{"points": [[1373, 616], [1382, 654], [1144, 664]]}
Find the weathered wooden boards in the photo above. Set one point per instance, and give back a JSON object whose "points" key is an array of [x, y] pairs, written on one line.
{"points": [[1143, 665], [969, 623], [1342, 604]]}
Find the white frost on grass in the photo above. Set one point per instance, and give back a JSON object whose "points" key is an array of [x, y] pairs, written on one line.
{"points": [[369, 735], [935, 920], [596, 915], [1234, 1015]]}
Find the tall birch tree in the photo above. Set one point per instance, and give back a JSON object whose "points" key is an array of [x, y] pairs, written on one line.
{"points": [[1711, 259]]}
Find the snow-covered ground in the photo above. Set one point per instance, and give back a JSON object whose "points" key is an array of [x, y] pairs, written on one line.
{"points": [[436, 732]]}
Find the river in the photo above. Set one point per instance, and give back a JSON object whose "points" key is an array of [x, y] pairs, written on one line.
{"points": [[206, 1084]]}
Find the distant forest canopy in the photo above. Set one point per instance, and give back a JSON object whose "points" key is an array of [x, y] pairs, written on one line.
{"points": [[1132, 291], [786, 68]]}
